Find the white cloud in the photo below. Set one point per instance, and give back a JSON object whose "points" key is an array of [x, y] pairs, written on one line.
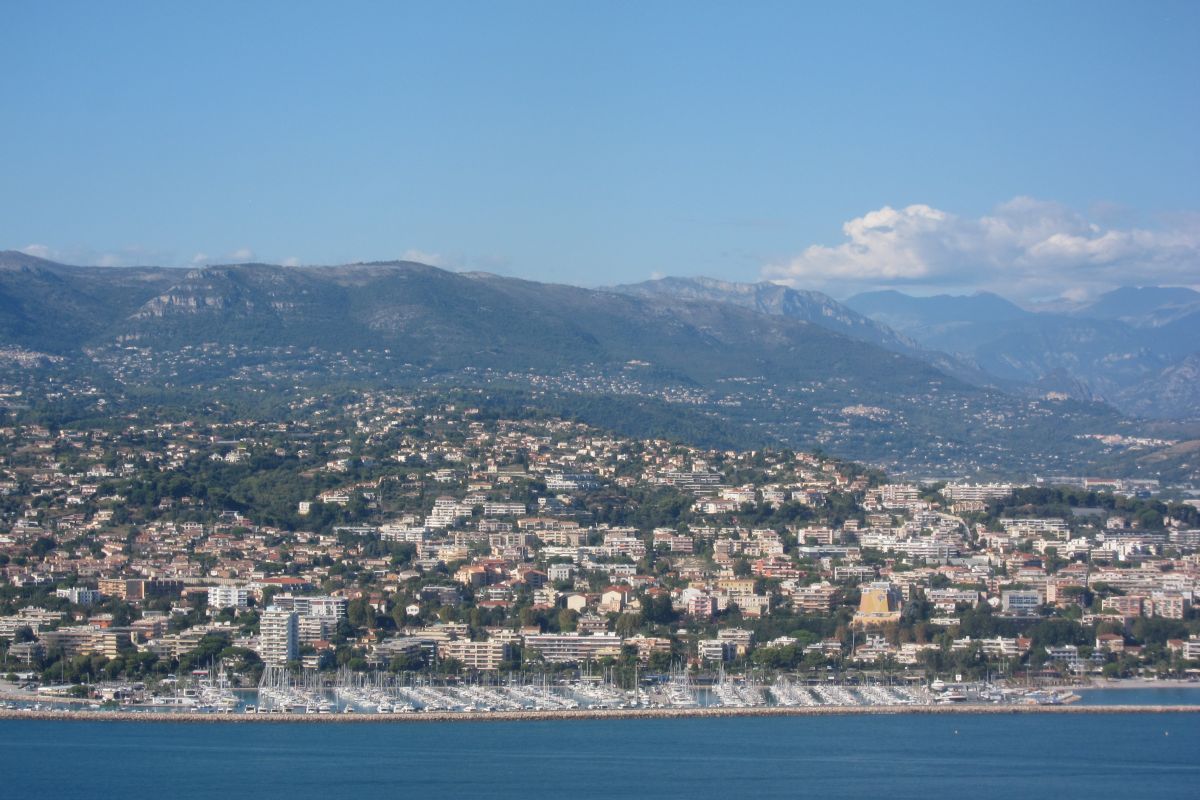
{"points": [[127, 256], [423, 257], [38, 251], [291, 261], [1024, 248], [242, 254]]}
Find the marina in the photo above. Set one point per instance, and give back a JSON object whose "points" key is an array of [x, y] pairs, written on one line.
{"points": [[308, 694]]}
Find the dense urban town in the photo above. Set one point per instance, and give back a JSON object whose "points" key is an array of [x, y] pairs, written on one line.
{"points": [[424, 551]]}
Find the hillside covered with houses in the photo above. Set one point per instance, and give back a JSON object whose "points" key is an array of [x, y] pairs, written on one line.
{"points": [[430, 533]]}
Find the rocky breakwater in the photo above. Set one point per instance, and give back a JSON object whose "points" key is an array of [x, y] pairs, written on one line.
{"points": [[580, 714]]}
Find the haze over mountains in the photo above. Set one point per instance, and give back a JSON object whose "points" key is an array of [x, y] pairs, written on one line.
{"points": [[745, 363], [814, 307], [1135, 348]]}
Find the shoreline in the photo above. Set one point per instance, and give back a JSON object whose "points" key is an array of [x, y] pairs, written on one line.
{"points": [[1138, 683], [583, 714]]}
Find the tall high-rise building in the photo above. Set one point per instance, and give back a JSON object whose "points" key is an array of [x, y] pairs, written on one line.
{"points": [[279, 636]]}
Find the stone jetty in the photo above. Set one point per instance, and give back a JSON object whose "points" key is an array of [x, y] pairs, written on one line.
{"points": [[582, 714]]}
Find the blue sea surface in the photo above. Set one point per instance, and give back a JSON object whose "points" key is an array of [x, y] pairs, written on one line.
{"points": [[1149, 696], [903, 756]]}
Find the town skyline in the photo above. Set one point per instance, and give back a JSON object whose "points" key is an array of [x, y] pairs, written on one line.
{"points": [[447, 539]]}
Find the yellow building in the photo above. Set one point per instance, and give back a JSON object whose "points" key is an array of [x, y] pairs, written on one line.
{"points": [[879, 604]]}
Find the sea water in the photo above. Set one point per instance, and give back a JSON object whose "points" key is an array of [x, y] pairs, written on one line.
{"points": [[1188, 695], [902, 756]]}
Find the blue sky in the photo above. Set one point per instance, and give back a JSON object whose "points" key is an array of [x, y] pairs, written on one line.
{"points": [[1042, 148]]}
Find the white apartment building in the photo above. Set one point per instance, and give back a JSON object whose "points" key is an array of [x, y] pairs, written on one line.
{"points": [[228, 597], [317, 606], [279, 636]]}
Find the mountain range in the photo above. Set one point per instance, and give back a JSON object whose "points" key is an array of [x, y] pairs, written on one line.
{"points": [[743, 363], [809, 306], [442, 319], [1137, 349]]}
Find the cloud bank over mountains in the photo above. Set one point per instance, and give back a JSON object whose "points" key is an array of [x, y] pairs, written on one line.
{"points": [[1026, 248]]}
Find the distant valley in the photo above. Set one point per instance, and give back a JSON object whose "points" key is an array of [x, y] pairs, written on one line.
{"points": [[1137, 349]]}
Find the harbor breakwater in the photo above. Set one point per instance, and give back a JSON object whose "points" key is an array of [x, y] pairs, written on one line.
{"points": [[587, 714]]}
